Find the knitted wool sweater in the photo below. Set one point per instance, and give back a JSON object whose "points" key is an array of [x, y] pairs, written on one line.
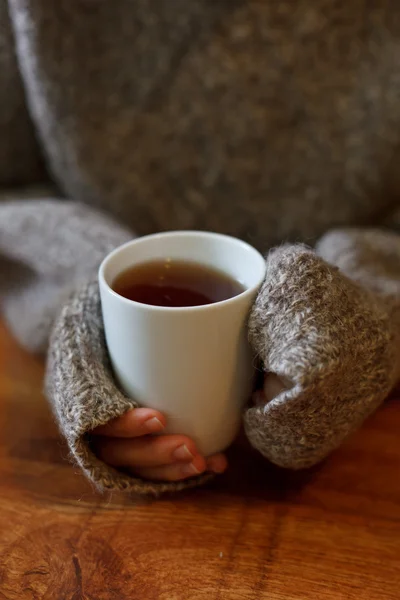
{"points": [[272, 123]]}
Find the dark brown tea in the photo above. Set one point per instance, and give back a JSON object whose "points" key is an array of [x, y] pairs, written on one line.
{"points": [[175, 283]]}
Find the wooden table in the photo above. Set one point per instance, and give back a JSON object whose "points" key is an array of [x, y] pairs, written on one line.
{"points": [[257, 533]]}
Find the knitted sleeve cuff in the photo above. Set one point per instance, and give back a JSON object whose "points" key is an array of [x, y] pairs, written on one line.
{"points": [[84, 396], [328, 325]]}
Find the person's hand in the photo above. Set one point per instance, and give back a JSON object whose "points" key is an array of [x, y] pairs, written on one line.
{"points": [[112, 439], [129, 442]]}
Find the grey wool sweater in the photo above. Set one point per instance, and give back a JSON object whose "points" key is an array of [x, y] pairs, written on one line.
{"points": [[277, 122]]}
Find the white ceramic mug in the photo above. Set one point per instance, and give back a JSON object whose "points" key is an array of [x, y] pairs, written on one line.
{"points": [[193, 364]]}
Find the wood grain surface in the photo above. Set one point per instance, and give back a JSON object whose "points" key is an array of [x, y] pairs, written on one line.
{"points": [[257, 533]]}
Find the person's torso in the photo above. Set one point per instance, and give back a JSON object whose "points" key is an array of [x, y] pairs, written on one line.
{"points": [[267, 120]]}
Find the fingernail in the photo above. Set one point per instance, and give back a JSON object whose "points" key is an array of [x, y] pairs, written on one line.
{"points": [[217, 465], [190, 469], [182, 453], [153, 425]]}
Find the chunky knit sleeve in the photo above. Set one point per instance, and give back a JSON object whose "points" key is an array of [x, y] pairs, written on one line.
{"points": [[326, 326], [50, 251], [47, 246]]}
